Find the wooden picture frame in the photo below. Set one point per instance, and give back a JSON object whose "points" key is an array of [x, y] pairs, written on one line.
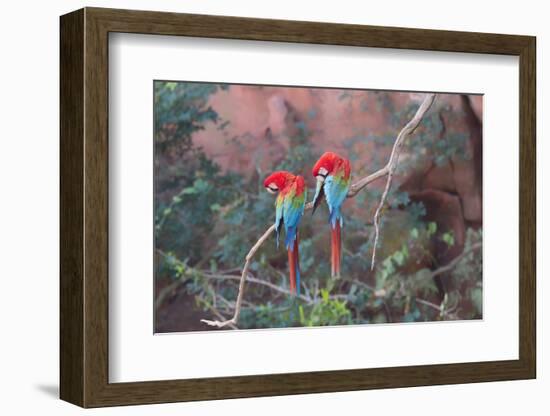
{"points": [[84, 207]]}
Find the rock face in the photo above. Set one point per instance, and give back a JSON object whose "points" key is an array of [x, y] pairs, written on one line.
{"points": [[262, 118]]}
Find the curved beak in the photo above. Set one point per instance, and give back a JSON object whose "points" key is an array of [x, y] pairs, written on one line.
{"points": [[319, 193]]}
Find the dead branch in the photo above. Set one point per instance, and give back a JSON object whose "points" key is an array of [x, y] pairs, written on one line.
{"points": [[392, 165], [220, 316], [252, 279], [452, 264], [249, 256], [388, 170], [165, 292]]}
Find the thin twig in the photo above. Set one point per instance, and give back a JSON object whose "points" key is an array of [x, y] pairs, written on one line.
{"points": [[449, 266], [166, 291], [221, 317], [392, 165], [361, 183], [252, 279], [234, 320], [429, 304]]}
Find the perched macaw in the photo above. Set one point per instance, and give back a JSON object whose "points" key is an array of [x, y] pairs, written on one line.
{"points": [[333, 174], [289, 208]]}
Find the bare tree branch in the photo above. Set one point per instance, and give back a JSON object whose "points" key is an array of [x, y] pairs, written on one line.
{"points": [[221, 317], [249, 256], [392, 165], [361, 183], [166, 291], [252, 279], [388, 170], [429, 304], [452, 264]]}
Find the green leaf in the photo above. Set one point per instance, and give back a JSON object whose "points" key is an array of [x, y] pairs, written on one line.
{"points": [[399, 258], [432, 228], [405, 250], [171, 85], [188, 191], [477, 299], [200, 185], [449, 238], [388, 266]]}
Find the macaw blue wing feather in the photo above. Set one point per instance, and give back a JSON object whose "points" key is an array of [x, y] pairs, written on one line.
{"points": [[336, 189]]}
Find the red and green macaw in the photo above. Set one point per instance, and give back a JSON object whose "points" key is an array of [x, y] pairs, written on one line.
{"points": [[333, 175], [289, 208]]}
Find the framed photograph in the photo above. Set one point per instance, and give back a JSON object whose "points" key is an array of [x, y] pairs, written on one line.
{"points": [[257, 207]]}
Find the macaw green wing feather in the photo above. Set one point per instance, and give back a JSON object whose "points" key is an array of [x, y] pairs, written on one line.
{"points": [[279, 209], [336, 188], [293, 209]]}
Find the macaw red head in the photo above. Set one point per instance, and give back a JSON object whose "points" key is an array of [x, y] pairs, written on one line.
{"points": [[277, 181], [326, 165]]}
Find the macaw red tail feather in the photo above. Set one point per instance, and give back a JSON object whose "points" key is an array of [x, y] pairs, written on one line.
{"points": [[336, 245], [294, 267]]}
